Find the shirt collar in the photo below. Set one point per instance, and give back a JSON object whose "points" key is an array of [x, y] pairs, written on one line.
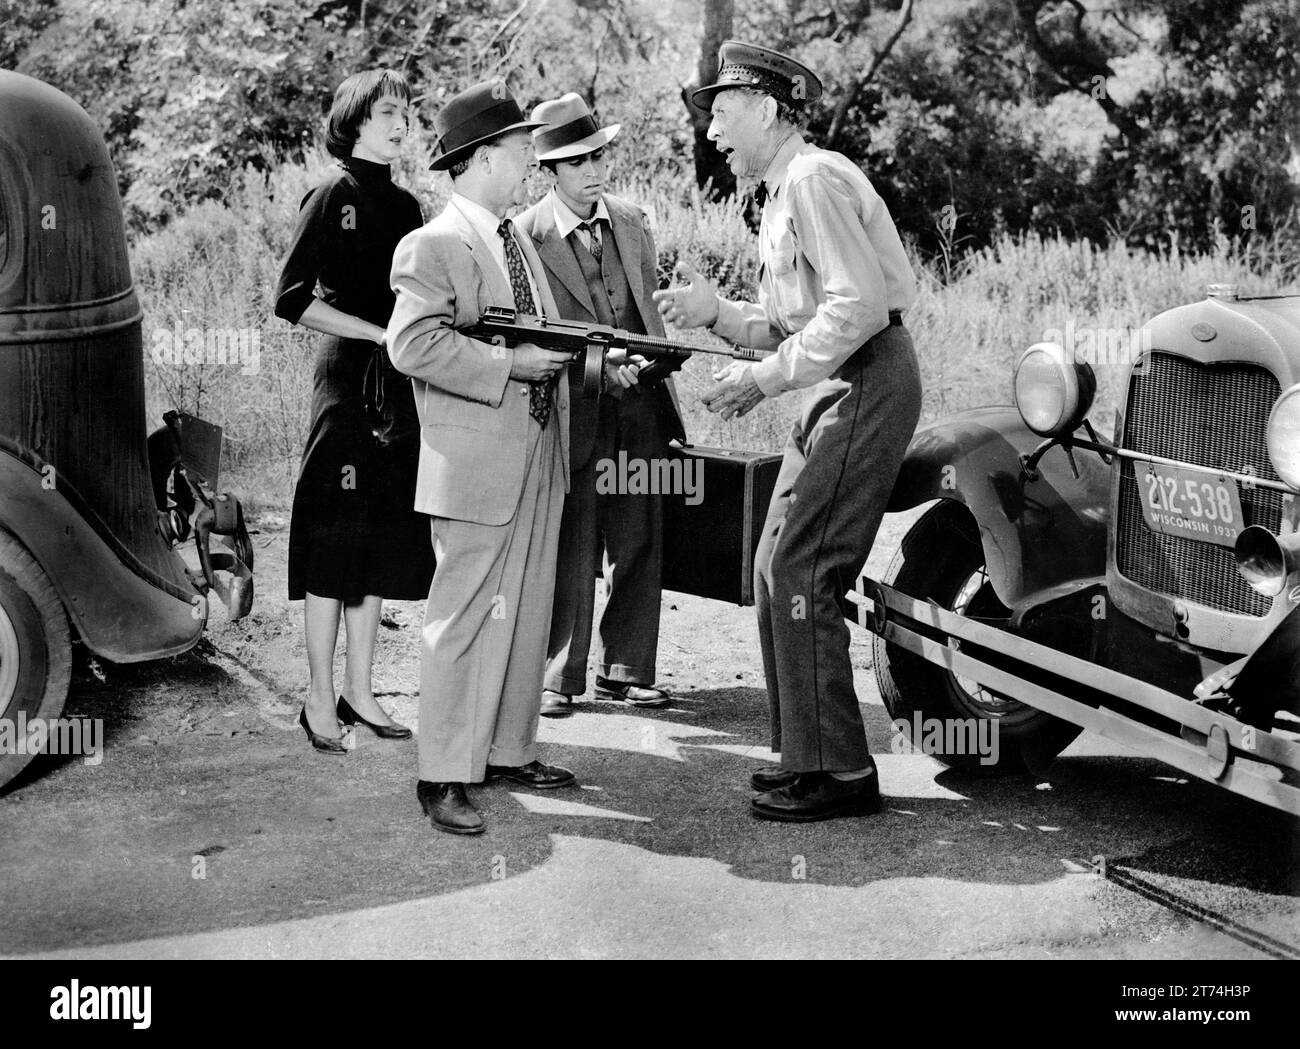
{"points": [[484, 222], [566, 221], [774, 176]]}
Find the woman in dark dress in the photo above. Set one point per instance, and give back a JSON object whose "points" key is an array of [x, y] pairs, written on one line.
{"points": [[354, 538]]}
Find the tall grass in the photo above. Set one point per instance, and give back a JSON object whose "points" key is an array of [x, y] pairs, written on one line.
{"points": [[970, 329], [217, 267]]}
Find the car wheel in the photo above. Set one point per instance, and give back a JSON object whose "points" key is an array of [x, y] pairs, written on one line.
{"points": [[941, 559], [35, 650]]}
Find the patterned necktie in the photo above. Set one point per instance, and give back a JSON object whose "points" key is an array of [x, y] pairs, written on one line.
{"points": [[539, 393], [592, 226]]}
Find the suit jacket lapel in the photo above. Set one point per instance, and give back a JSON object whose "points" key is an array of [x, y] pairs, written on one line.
{"points": [[627, 235], [497, 282], [539, 276], [556, 253]]}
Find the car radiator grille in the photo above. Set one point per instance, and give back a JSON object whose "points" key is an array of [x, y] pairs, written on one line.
{"points": [[1210, 415]]}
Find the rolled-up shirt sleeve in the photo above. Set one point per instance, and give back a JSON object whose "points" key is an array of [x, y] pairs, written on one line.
{"points": [[746, 324], [831, 240]]}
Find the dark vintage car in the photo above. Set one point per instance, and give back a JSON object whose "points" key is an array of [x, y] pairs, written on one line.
{"points": [[1145, 588], [92, 513]]}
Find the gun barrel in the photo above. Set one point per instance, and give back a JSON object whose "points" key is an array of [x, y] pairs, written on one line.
{"points": [[512, 328], [664, 348]]}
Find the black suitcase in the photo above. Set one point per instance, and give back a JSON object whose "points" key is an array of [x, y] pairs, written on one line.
{"points": [[709, 547]]}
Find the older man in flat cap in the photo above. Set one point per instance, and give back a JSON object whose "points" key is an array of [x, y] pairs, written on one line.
{"points": [[832, 290], [494, 462], [600, 259]]}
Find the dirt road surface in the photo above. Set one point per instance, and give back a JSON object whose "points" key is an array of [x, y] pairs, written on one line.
{"points": [[211, 829]]}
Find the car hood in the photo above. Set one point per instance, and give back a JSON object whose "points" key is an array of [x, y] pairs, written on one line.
{"points": [[1263, 331]]}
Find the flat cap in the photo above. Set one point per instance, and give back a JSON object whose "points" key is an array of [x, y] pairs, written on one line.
{"points": [[747, 65]]}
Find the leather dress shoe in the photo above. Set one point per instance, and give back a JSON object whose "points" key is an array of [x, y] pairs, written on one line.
{"points": [[772, 778], [819, 796], [448, 807], [556, 704], [534, 774], [348, 716], [633, 695]]}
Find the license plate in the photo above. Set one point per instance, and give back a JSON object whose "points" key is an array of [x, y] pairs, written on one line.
{"points": [[1190, 503]]}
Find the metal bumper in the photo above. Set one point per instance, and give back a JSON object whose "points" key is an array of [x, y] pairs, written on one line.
{"points": [[1208, 744]]}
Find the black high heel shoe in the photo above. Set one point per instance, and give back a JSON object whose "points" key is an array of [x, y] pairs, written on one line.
{"points": [[322, 743], [348, 716]]}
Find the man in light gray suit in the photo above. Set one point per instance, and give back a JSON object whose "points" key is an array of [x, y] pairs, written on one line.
{"points": [[600, 261], [493, 463]]}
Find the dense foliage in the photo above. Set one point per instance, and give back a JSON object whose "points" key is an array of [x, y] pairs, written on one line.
{"points": [[1159, 121]]}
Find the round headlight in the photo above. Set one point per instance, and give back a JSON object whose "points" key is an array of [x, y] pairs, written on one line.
{"points": [[1052, 393], [1283, 436]]}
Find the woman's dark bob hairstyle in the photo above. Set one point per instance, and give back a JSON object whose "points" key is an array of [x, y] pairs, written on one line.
{"points": [[352, 103]]}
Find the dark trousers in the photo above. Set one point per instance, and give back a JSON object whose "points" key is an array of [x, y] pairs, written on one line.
{"points": [[628, 530], [840, 465]]}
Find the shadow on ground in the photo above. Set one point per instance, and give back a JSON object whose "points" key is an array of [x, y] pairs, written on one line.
{"points": [[210, 811]]}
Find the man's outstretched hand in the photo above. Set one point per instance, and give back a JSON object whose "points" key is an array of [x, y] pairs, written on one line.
{"points": [[694, 305], [735, 392]]}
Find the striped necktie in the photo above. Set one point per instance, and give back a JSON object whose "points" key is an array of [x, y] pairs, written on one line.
{"points": [[592, 226]]}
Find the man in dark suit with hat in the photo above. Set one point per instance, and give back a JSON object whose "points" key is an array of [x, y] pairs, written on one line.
{"points": [[600, 261], [493, 462], [833, 286]]}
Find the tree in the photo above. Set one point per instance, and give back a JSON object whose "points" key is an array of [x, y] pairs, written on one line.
{"points": [[1204, 147], [1058, 36], [850, 93], [189, 95], [21, 22], [711, 170]]}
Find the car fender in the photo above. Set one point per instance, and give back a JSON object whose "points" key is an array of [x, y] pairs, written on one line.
{"points": [[1269, 678], [1039, 533], [123, 610]]}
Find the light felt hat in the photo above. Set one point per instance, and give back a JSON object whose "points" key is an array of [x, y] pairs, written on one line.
{"points": [[570, 129]]}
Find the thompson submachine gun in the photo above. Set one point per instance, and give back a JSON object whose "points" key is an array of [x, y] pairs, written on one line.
{"points": [[506, 327]]}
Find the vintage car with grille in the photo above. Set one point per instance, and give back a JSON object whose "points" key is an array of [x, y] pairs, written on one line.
{"points": [[94, 513], [1146, 587]]}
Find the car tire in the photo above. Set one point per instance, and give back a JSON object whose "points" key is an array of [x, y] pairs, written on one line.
{"points": [[35, 648], [941, 559]]}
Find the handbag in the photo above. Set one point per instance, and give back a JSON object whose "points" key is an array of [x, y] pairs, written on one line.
{"points": [[380, 394]]}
